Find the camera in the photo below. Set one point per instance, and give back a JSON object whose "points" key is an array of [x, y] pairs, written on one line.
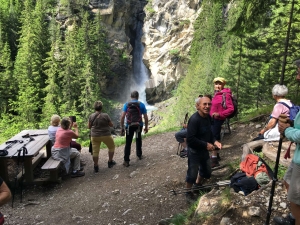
{"points": [[73, 119]]}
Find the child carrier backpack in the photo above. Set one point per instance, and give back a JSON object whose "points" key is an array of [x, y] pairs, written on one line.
{"points": [[234, 102], [294, 109], [133, 114]]}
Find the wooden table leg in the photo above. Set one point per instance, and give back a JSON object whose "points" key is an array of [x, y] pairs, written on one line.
{"points": [[48, 149], [28, 170], [3, 170]]}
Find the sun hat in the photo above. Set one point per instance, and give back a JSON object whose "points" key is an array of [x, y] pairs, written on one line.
{"points": [[221, 79]]}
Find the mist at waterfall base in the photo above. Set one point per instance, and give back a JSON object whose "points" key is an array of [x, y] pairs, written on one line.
{"points": [[140, 72]]}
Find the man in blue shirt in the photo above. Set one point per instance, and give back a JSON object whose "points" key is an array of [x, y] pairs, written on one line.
{"points": [[132, 127]]}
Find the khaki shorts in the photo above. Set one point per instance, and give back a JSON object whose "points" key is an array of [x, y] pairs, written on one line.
{"points": [[107, 140], [292, 177]]}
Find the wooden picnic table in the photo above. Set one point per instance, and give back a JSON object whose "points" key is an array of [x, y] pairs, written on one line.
{"points": [[25, 149]]}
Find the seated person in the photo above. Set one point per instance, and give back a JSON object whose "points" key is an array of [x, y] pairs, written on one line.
{"points": [[5, 194], [54, 125], [181, 138], [61, 149], [270, 131]]}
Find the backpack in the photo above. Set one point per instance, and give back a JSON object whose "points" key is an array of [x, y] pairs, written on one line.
{"points": [[234, 102], [294, 109], [133, 114]]}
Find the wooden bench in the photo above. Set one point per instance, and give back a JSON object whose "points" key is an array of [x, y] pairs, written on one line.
{"points": [[53, 166]]}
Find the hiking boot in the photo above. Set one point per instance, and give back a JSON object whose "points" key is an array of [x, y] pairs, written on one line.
{"points": [[126, 163], [190, 197], [81, 168], [111, 163], [284, 220], [214, 162], [77, 174], [96, 169]]}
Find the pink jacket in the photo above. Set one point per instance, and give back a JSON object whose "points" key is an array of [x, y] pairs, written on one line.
{"points": [[217, 101]]}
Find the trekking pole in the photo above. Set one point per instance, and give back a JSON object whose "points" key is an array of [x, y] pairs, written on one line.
{"points": [[274, 179], [208, 186]]}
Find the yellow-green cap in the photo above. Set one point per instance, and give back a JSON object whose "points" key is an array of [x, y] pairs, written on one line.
{"points": [[221, 79]]}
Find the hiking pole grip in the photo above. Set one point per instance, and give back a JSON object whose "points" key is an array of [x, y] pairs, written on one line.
{"points": [[274, 179]]}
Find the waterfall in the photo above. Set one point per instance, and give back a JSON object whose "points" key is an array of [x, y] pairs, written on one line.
{"points": [[140, 72]]}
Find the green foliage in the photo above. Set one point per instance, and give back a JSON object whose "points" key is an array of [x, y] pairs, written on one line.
{"points": [[174, 52]]}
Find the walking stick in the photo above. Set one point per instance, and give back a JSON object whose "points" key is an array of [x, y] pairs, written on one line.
{"points": [[274, 179]]}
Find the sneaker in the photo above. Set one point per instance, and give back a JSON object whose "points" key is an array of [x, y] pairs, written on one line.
{"points": [[126, 163], [214, 162], [96, 169], [284, 220], [77, 174], [111, 163], [190, 197], [218, 157]]}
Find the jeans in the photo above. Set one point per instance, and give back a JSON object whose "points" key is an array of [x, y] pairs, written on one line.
{"points": [[216, 128], [197, 163], [129, 136], [180, 135]]}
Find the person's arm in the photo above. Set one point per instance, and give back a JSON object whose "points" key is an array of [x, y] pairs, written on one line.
{"points": [[293, 134], [230, 107], [122, 119], [271, 124], [5, 194], [76, 132], [146, 123]]}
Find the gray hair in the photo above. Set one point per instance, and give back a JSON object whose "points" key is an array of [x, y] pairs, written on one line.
{"points": [[280, 90]]}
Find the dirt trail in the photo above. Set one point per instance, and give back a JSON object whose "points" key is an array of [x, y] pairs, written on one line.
{"points": [[138, 194]]}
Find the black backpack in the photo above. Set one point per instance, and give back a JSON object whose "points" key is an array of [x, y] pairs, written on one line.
{"points": [[234, 102], [133, 114]]}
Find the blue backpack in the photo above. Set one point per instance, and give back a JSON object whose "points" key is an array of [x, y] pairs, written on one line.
{"points": [[294, 109]]}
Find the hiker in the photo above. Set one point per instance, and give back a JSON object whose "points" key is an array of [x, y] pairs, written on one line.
{"points": [[221, 108], [100, 124], [270, 131], [54, 125], [5, 194], [61, 149], [133, 111], [200, 141], [292, 175]]}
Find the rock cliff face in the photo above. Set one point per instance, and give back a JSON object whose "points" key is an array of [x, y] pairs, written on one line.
{"points": [[168, 32]]}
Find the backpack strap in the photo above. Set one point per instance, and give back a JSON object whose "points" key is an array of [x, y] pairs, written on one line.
{"points": [[286, 105], [224, 100]]}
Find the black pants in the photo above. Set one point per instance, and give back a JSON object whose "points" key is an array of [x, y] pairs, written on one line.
{"points": [[129, 136]]}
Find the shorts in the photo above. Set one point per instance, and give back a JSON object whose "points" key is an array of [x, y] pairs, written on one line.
{"points": [[197, 163], [292, 177], [107, 140]]}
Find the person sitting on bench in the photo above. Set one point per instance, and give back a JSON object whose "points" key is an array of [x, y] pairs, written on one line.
{"points": [[61, 149]]}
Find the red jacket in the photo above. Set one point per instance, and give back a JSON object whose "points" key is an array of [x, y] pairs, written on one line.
{"points": [[216, 104], [249, 166]]}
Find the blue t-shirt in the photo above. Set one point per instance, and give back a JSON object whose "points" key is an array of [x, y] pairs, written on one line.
{"points": [[142, 108]]}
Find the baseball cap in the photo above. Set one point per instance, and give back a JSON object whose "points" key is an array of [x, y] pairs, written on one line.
{"points": [[221, 79]]}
